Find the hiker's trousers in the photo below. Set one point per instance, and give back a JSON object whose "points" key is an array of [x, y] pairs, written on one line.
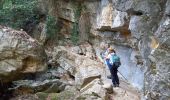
{"points": [[114, 76], [113, 71]]}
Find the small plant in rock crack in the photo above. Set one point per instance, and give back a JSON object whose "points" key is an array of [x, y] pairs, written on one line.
{"points": [[145, 18], [51, 27], [75, 29]]}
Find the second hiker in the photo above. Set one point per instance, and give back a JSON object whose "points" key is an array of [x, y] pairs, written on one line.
{"points": [[113, 62]]}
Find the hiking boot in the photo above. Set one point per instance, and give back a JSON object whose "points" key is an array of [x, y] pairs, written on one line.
{"points": [[114, 85], [117, 85], [109, 77]]}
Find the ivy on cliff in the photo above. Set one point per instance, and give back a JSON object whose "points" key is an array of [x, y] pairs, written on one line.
{"points": [[51, 27], [75, 29]]}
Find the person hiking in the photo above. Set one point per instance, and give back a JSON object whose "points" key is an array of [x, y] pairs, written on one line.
{"points": [[113, 62], [105, 52], [103, 55]]}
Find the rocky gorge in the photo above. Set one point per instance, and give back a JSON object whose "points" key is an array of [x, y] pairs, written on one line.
{"points": [[58, 56]]}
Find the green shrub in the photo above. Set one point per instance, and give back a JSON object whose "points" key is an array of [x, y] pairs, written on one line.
{"points": [[42, 96], [75, 33], [75, 29], [18, 13], [51, 27]]}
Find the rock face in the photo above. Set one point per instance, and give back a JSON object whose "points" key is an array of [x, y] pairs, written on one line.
{"points": [[142, 27], [137, 29], [19, 54], [153, 43], [110, 19]]}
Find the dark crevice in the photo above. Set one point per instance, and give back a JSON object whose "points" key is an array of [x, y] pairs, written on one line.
{"points": [[70, 75], [81, 54], [29, 76], [5, 93], [137, 13], [168, 15]]}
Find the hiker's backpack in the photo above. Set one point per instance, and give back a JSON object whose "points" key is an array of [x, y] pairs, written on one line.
{"points": [[115, 60]]}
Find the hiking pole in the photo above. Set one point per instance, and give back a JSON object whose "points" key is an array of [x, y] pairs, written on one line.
{"points": [[122, 75]]}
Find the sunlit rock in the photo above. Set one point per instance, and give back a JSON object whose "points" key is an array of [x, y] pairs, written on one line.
{"points": [[19, 54]]}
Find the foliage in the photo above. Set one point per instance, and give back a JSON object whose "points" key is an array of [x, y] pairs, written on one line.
{"points": [[42, 96], [145, 18], [18, 13], [75, 33], [51, 27], [75, 29]]}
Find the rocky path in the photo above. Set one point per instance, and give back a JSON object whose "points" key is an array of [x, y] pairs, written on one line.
{"points": [[124, 92]]}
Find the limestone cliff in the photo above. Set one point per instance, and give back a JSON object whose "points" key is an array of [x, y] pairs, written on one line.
{"points": [[138, 29]]}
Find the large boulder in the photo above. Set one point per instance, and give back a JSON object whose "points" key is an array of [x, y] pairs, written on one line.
{"points": [[94, 91], [19, 54], [87, 72], [48, 86], [80, 67]]}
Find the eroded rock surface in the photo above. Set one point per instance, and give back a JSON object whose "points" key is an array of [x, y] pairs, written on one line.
{"points": [[19, 54], [137, 29]]}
